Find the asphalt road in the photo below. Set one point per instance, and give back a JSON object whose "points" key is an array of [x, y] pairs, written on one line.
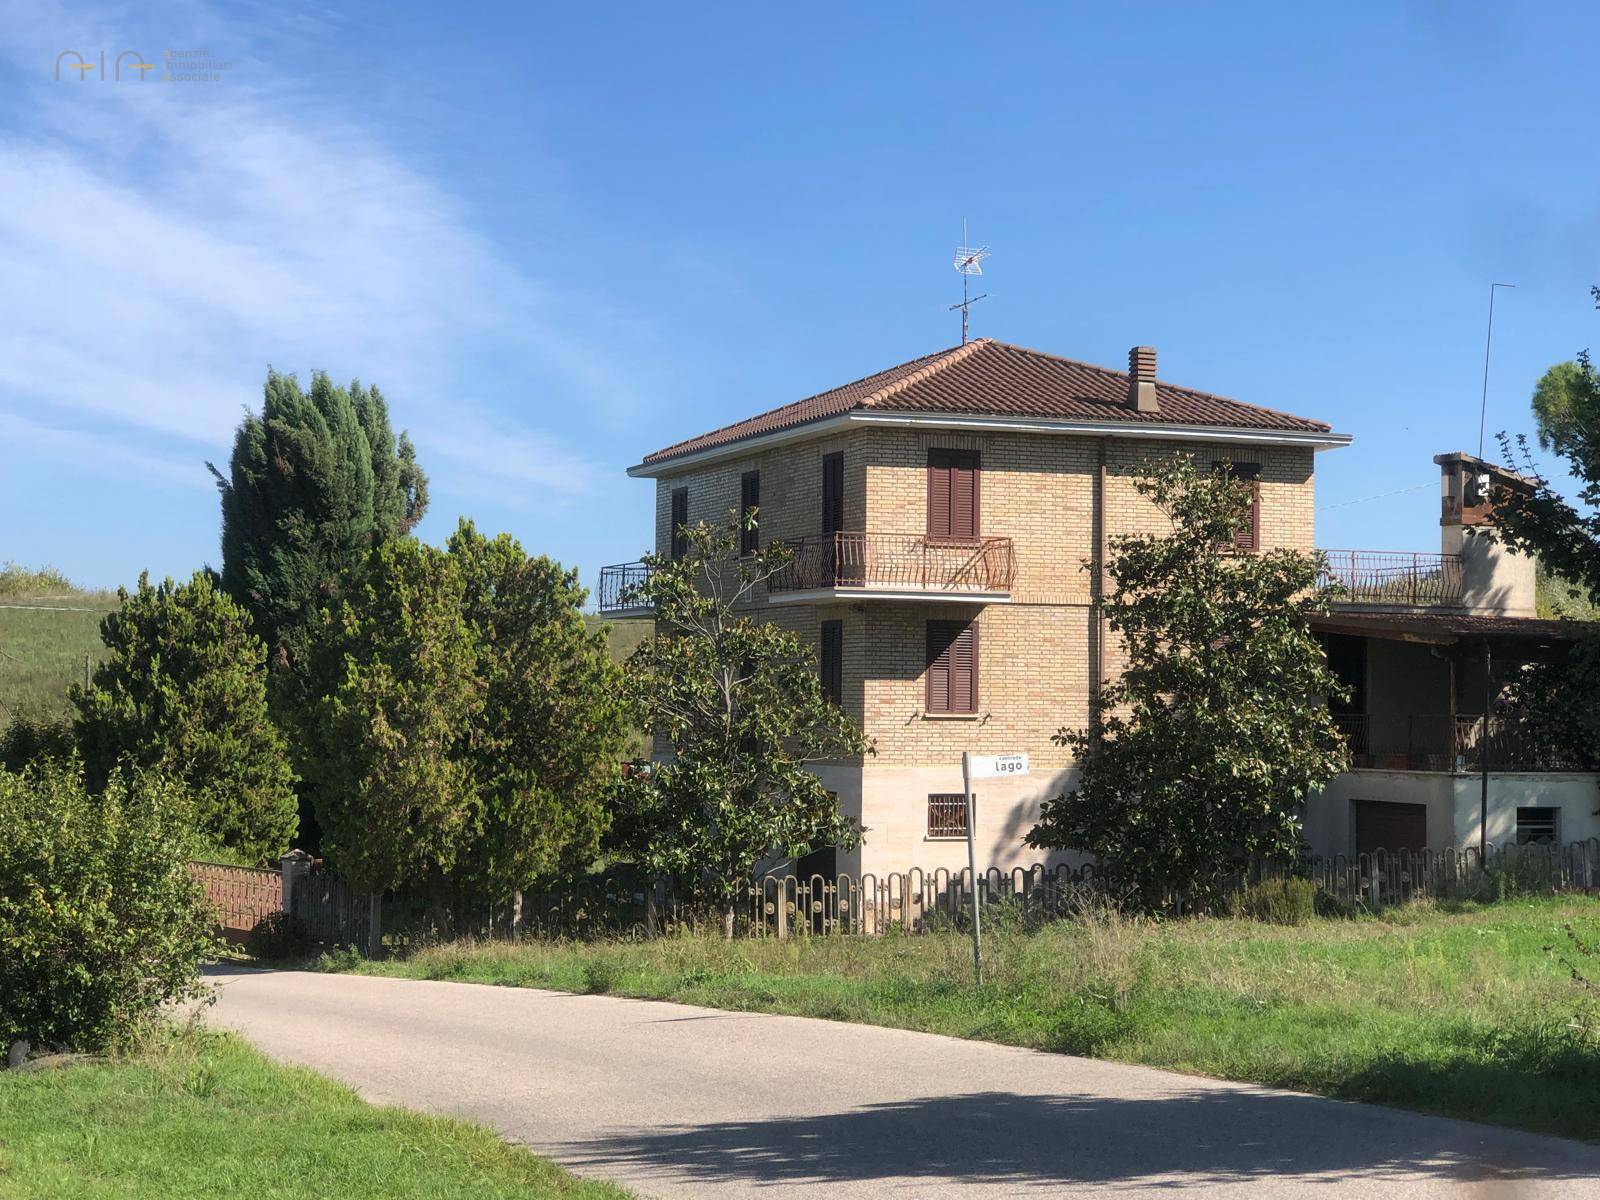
{"points": [[674, 1101]]}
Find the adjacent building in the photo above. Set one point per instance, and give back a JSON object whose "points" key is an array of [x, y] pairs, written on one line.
{"points": [[950, 518]]}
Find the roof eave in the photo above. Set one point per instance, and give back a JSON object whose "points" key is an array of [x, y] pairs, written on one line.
{"points": [[1153, 430]]}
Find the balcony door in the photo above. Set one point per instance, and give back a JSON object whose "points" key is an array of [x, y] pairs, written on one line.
{"points": [[844, 563], [953, 495]]}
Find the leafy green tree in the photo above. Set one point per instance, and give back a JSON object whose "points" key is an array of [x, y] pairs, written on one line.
{"points": [[315, 481], [393, 673], [469, 723], [740, 703], [182, 691], [1565, 536], [554, 723], [101, 924], [1218, 727]]}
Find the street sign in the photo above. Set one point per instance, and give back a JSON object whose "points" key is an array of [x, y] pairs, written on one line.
{"points": [[998, 766]]}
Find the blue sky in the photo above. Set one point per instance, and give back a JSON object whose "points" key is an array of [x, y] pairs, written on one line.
{"points": [[560, 236]]}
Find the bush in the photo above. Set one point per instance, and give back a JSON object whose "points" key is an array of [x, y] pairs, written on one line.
{"points": [[1280, 901], [278, 937], [101, 923], [31, 736]]}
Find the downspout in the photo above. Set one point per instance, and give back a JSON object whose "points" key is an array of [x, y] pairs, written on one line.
{"points": [[1483, 756], [1097, 590]]}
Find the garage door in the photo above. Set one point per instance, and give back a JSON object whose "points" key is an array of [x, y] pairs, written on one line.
{"points": [[1385, 825]]}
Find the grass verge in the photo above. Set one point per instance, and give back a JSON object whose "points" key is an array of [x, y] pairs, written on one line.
{"points": [[1462, 1012], [207, 1116]]}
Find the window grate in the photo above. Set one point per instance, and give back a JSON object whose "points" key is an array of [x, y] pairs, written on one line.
{"points": [[1537, 826], [947, 815]]}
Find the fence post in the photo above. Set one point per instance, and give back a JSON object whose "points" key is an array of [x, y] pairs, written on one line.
{"points": [[294, 866], [375, 926]]}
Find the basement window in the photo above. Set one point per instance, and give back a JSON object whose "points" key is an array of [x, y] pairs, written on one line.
{"points": [[1537, 826]]}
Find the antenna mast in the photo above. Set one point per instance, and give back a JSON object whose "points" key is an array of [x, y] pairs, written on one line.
{"points": [[968, 262], [1488, 344]]}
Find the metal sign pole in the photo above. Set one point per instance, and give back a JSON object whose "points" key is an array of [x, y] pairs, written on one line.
{"points": [[972, 867]]}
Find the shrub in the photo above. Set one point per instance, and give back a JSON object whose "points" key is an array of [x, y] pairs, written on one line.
{"points": [[31, 736], [278, 937], [1280, 901], [101, 923]]}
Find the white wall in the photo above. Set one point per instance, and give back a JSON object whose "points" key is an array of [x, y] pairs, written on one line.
{"points": [[1453, 805]]}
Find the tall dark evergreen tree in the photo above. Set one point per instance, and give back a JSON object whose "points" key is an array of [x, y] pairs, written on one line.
{"points": [[315, 481]]}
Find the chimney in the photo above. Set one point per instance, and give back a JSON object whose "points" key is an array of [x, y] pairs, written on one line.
{"points": [[1142, 379]]}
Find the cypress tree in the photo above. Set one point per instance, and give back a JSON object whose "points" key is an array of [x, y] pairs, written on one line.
{"points": [[315, 481]]}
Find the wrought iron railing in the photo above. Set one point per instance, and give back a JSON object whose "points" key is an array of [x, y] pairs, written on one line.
{"points": [[900, 561], [1442, 742], [622, 587], [1392, 578]]}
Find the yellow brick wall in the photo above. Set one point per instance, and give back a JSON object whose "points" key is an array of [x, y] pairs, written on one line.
{"points": [[1037, 489]]}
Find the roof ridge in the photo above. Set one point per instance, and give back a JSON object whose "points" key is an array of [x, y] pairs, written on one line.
{"points": [[1160, 382], [941, 360]]}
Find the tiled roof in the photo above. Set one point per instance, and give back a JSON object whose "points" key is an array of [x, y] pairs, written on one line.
{"points": [[989, 378]]}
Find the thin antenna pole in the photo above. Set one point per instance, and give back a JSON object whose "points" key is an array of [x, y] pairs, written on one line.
{"points": [[967, 261], [1488, 344]]}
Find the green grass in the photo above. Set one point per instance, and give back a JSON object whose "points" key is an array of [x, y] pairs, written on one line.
{"points": [[1463, 1013], [42, 646], [207, 1116]]}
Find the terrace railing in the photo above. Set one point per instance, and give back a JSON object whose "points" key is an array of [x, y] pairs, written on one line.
{"points": [[621, 588], [1387, 578], [1445, 742], [909, 562]]}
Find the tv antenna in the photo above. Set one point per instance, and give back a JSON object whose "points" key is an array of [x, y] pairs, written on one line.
{"points": [[968, 261], [1488, 344]]}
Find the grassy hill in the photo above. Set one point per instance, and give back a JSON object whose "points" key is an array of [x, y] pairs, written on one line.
{"points": [[48, 625]]}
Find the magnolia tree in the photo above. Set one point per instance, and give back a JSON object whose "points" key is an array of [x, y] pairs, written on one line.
{"points": [[1201, 752], [740, 705]]}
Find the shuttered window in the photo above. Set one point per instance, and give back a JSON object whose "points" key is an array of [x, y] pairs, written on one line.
{"points": [[833, 492], [680, 518], [749, 497], [953, 478], [1248, 539], [832, 664], [952, 667]]}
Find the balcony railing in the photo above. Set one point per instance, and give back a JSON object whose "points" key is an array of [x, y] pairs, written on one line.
{"points": [[908, 562], [621, 589], [1441, 742], [1391, 578]]}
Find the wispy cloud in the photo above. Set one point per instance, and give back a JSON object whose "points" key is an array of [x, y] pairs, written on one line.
{"points": [[160, 243]]}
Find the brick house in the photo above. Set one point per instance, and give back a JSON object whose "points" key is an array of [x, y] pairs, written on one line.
{"points": [[950, 517]]}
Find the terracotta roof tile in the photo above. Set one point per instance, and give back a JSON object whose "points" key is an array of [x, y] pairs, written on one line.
{"points": [[989, 378]]}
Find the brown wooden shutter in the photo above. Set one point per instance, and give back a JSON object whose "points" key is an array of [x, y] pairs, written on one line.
{"points": [[749, 497], [1248, 539], [833, 660], [833, 492], [680, 518], [953, 493], [952, 671]]}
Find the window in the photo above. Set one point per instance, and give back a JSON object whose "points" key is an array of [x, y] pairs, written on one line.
{"points": [[833, 660], [953, 494], [749, 498], [947, 815], [833, 492], [680, 518], [952, 668], [1248, 539], [1538, 825]]}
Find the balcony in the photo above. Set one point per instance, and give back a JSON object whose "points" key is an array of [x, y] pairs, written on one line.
{"points": [[1442, 742], [897, 566], [620, 591], [1390, 579]]}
